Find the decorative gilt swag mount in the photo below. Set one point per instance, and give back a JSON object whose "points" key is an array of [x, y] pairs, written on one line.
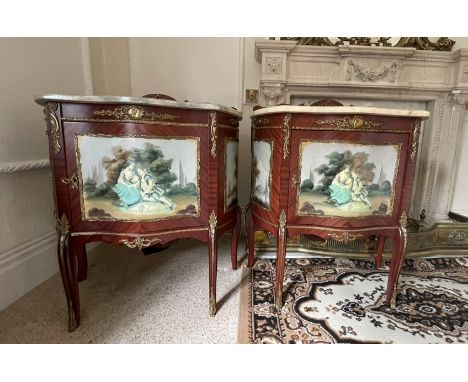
{"points": [[420, 43]]}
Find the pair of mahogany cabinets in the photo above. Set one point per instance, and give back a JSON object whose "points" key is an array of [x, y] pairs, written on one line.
{"points": [[143, 172]]}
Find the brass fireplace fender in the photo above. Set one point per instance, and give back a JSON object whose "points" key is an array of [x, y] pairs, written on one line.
{"points": [[442, 238]]}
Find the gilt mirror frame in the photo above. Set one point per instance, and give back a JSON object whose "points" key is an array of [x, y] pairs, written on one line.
{"points": [[420, 43]]}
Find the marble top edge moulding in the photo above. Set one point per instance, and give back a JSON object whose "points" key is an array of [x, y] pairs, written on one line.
{"points": [[42, 99], [342, 110]]}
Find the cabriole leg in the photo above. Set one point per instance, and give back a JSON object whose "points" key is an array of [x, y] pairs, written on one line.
{"points": [[80, 253], [69, 272], [379, 251], [250, 236], [398, 256]]}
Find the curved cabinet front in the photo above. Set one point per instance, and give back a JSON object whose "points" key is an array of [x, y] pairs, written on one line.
{"points": [[341, 173], [140, 175]]}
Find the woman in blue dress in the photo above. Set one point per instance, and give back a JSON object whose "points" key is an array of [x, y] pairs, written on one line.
{"points": [[128, 186], [340, 189]]}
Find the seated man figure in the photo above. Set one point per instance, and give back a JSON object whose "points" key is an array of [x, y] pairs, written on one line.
{"points": [[150, 192]]}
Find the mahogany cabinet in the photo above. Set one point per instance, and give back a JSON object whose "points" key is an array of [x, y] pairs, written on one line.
{"points": [[140, 172], [333, 172]]}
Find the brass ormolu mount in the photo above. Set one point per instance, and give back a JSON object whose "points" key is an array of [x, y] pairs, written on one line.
{"points": [[420, 43]]}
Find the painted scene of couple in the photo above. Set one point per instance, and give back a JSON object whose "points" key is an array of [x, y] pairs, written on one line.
{"points": [[347, 179], [129, 178]]}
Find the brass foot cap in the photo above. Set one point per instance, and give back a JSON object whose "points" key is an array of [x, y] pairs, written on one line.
{"points": [[72, 324], [212, 308], [279, 304]]}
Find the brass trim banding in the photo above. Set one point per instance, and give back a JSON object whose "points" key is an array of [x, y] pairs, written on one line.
{"points": [[135, 113], [356, 122]]}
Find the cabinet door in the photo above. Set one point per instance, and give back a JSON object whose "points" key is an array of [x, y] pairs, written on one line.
{"points": [[149, 176], [346, 178]]}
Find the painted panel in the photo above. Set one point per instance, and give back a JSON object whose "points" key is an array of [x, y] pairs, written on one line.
{"points": [[347, 179], [231, 155], [138, 178], [262, 156]]}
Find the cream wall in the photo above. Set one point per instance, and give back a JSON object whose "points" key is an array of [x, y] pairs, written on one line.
{"points": [[198, 70], [194, 69], [31, 66], [110, 65]]}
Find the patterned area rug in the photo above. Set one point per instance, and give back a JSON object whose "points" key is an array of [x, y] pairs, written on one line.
{"points": [[343, 301]]}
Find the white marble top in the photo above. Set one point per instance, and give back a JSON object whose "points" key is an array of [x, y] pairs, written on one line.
{"points": [[341, 110], [42, 99]]}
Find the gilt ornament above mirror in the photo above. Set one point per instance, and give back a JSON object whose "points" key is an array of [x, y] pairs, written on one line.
{"points": [[420, 43]]}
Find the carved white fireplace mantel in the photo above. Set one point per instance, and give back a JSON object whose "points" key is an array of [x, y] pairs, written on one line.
{"points": [[295, 74]]}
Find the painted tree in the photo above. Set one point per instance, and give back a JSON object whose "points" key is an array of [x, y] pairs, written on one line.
{"points": [[361, 165], [114, 165], [89, 186], [152, 158], [307, 186], [336, 163], [189, 189], [386, 188]]}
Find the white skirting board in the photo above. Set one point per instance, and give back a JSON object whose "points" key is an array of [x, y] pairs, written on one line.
{"points": [[26, 266]]}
